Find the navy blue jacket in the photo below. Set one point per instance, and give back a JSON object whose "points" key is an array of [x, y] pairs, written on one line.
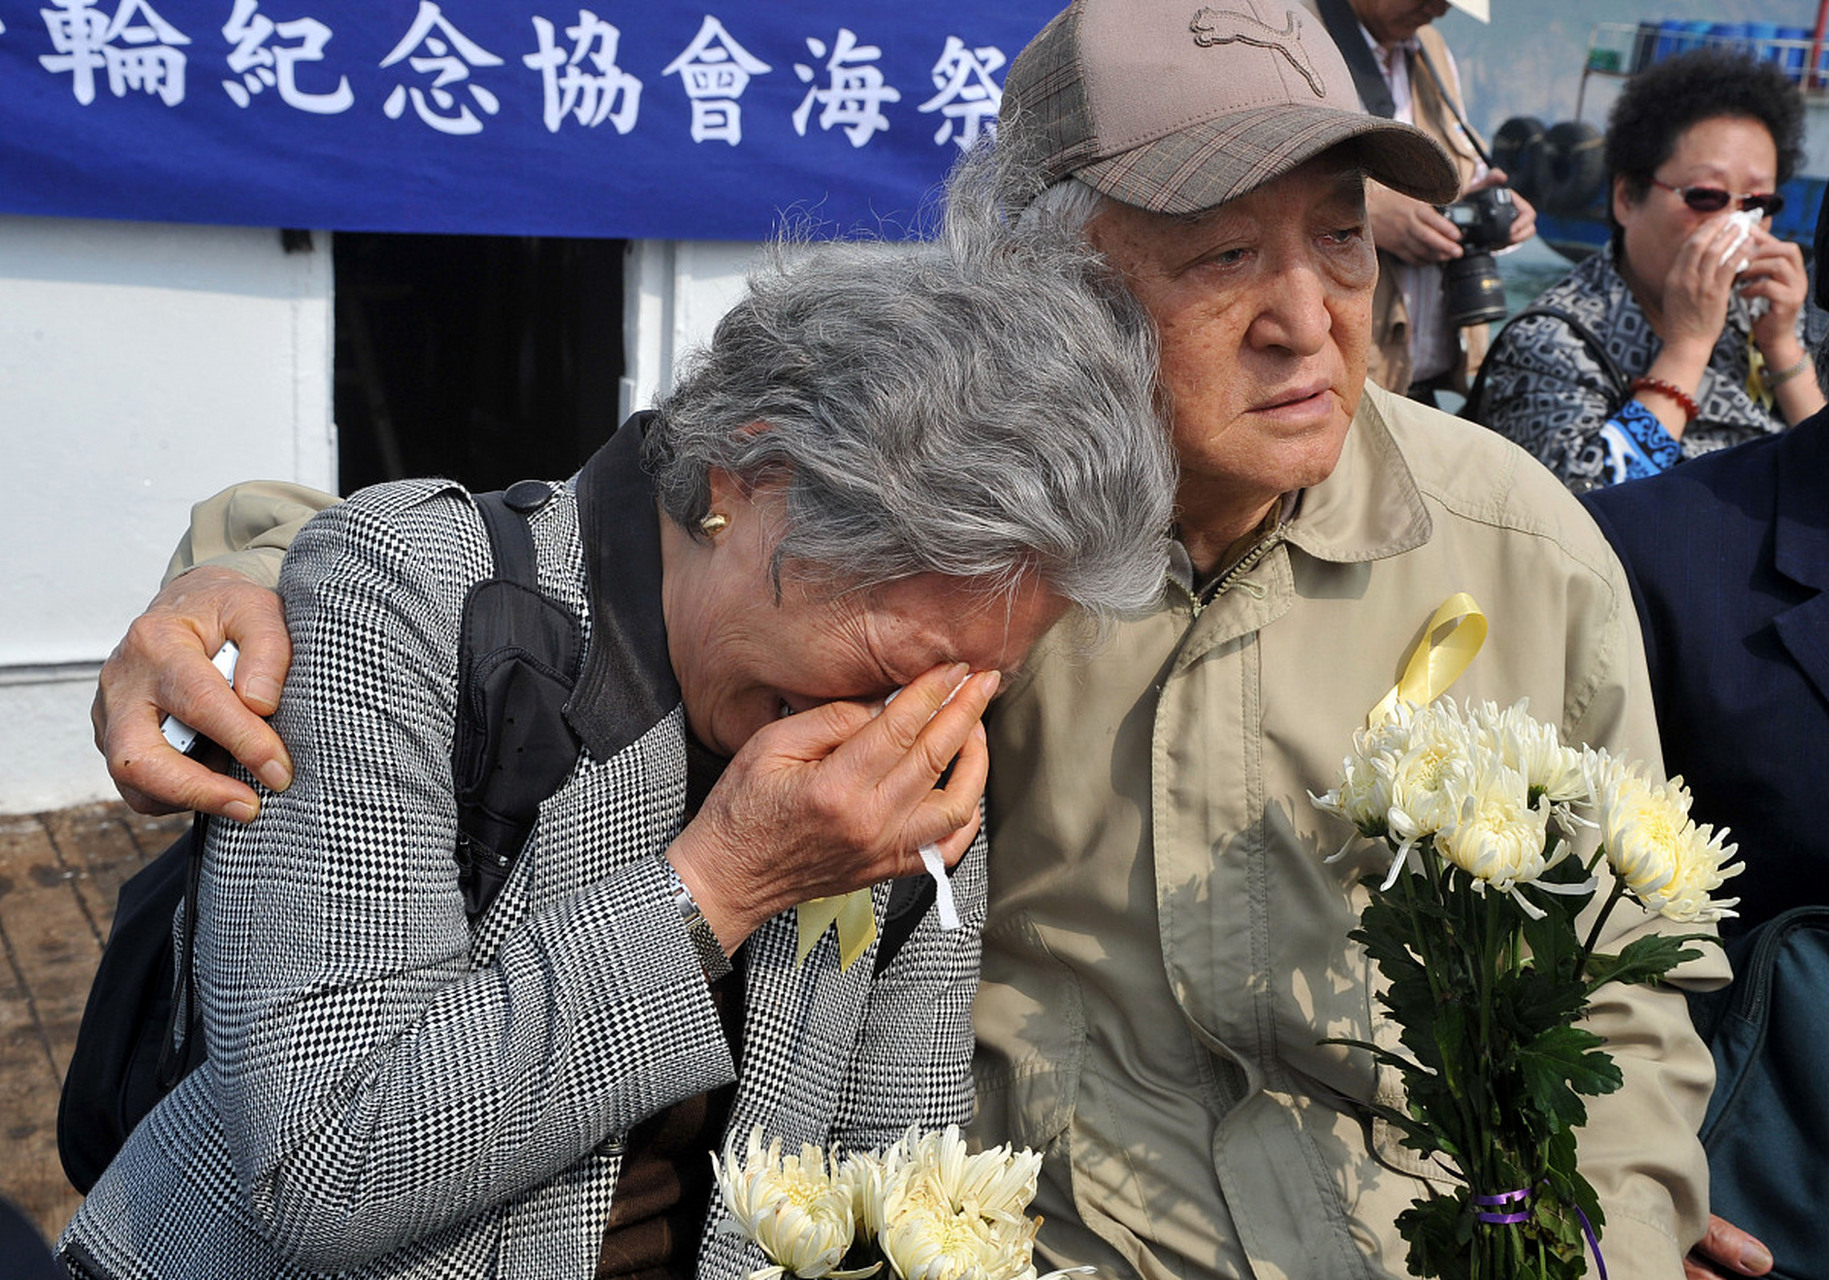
{"points": [[1728, 555]]}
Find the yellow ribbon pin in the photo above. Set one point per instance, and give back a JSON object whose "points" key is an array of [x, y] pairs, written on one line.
{"points": [[1450, 642], [855, 915], [1758, 390]]}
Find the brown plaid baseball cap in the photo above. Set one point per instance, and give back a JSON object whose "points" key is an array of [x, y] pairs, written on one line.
{"points": [[1177, 106]]}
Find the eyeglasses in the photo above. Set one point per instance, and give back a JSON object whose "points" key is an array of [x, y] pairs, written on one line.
{"points": [[1714, 199]]}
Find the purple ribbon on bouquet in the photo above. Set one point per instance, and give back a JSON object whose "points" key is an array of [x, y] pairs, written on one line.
{"points": [[1503, 1219], [1492, 1213]]}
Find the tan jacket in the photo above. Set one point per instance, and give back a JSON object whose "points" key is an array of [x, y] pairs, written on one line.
{"points": [[1166, 946], [1390, 362], [247, 527]]}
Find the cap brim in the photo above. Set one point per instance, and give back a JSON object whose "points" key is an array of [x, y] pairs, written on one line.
{"points": [[1207, 164]]}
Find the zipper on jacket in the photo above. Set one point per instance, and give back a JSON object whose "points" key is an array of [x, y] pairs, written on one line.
{"points": [[1198, 601]]}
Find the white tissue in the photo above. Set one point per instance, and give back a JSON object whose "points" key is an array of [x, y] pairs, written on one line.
{"points": [[1743, 221], [935, 864], [943, 887]]}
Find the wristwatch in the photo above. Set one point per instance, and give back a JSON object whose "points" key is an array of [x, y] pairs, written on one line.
{"points": [[699, 933]]}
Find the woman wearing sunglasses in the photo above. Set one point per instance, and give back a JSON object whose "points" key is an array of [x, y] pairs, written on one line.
{"points": [[1682, 335]]}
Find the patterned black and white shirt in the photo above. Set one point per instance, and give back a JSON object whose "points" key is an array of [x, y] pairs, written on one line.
{"points": [[1562, 390]]}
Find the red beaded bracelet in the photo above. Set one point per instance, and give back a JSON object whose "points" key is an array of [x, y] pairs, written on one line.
{"points": [[1684, 401]]}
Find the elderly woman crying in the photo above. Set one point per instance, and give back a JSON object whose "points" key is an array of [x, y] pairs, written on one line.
{"points": [[891, 472]]}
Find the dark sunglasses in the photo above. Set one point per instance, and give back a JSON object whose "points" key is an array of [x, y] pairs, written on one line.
{"points": [[1714, 199]]}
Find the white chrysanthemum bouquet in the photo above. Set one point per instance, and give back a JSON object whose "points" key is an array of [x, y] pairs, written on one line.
{"points": [[1474, 927], [926, 1208]]}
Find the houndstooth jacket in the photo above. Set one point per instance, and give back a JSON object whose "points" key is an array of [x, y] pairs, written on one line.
{"points": [[390, 1092]]}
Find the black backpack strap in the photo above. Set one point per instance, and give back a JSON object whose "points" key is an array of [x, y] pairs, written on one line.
{"points": [[509, 537], [174, 1062], [518, 661]]}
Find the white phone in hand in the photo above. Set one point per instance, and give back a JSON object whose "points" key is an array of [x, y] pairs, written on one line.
{"points": [[181, 736]]}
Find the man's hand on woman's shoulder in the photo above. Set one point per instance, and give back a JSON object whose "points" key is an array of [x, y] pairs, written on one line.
{"points": [[163, 665]]}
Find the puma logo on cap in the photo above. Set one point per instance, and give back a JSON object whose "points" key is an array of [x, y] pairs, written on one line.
{"points": [[1220, 26]]}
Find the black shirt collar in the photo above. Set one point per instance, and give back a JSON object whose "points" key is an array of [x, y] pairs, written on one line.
{"points": [[627, 685]]}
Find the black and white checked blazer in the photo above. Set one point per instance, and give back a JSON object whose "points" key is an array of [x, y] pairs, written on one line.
{"points": [[390, 1093]]}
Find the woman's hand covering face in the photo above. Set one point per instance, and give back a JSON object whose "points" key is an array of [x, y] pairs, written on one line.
{"points": [[1701, 279], [838, 797], [1774, 271]]}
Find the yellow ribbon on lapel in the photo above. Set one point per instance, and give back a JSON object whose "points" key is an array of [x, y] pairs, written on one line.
{"points": [[1758, 390], [1450, 641], [856, 917]]}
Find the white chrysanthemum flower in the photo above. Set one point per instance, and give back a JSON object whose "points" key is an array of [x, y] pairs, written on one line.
{"points": [[1605, 772], [862, 1177], [933, 1244], [1667, 862], [1393, 782], [1363, 797], [997, 1183], [789, 1205], [944, 1212], [1535, 750], [1438, 745], [1493, 831]]}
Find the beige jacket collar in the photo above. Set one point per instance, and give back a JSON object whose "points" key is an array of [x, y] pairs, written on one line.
{"points": [[1370, 507]]}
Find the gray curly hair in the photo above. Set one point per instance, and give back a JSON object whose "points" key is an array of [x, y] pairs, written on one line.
{"points": [[979, 406]]}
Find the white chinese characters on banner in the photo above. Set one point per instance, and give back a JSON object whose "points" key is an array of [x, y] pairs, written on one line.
{"points": [[137, 46], [608, 93], [450, 54], [715, 70], [855, 95], [968, 98], [260, 67], [578, 65]]}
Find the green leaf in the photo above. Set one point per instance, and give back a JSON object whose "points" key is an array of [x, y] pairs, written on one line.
{"points": [[1534, 1000], [1645, 959], [1569, 871], [1563, 1178], [1439, 1229], [1561, 1064]]}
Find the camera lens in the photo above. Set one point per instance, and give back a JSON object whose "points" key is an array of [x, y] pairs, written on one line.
{"points": [[1475, 292]]}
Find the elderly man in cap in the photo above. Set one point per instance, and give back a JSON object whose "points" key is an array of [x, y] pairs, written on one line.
{"points": [[1166, 948], [1167, 945]]}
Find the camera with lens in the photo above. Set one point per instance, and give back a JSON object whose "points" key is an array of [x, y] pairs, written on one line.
{"points": [[1476, 294]]}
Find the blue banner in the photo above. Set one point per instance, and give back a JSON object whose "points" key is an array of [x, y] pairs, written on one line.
{"points": [[636, 118]]}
